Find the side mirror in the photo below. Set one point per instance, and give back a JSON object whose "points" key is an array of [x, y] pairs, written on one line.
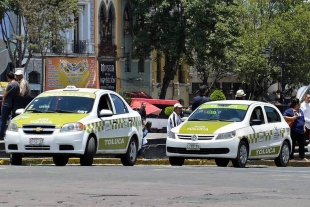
{"points": [[183, 119], [255, 122], [19, 111], [105, 112]]}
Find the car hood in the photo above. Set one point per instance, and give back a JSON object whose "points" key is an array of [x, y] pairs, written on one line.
{"points": [[207, 127], [57, 119]]}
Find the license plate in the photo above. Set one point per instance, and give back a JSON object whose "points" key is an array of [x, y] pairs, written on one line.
{"points": [[193, 147], [36, 141]]}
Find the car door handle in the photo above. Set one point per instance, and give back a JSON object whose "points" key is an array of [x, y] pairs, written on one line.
{"points": [[114, 122], [130, 120]]}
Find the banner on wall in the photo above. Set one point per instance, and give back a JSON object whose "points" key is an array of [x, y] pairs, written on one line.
{"points": [[80, 72], [107, 75]]}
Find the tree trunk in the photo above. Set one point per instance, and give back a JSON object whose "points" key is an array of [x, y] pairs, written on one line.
{"points": [[170, 69]]}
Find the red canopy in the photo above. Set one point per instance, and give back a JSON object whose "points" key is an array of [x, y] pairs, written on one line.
{"points": [[150, 108]]}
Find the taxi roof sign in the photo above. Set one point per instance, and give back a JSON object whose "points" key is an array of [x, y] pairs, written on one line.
{"points": [[70, 88]]}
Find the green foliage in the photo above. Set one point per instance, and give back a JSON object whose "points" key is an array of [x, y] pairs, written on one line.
{"points": [[126, 97], [169, 110], [42, 21], [217, 95]]}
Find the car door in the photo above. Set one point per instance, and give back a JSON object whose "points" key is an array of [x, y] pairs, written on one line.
{"points": [[259, 137], [275, 126]]}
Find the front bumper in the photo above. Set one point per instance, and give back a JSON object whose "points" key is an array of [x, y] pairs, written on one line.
{"points": [[55, 143], [207, 148]]}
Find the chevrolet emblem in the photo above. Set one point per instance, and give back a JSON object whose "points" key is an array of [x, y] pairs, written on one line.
{"points": [[38, 129]]}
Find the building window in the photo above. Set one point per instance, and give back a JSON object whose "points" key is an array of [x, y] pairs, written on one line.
{"points": [[141, 66], [226, 87], [195, 87], [127, 64], [34, 77], [127, 18], [76, 34], [181, 76], [102, 19]]}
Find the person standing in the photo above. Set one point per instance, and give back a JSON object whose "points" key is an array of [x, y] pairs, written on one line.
{"points": [[175, 118], [24, 85], [201, 98], [240, 95], [295, 114], [12, 90], [142, 112], [305, 107], [146, 129]]}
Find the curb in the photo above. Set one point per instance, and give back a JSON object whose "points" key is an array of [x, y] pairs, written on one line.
{"points": [[116, 161]]}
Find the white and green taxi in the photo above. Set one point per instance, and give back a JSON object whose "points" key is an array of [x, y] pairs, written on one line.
{"points": [[75, 122], [231, 130]]}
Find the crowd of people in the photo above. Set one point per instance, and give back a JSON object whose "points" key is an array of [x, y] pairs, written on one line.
{"points": [[17, 87]]}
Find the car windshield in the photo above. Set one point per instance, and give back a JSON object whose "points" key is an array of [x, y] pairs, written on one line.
{"points": [[219, 112], [61, 104]]}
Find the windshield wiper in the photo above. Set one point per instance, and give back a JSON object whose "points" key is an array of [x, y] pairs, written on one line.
{"points": [[63, 111], [226, 120], [34, 110]]}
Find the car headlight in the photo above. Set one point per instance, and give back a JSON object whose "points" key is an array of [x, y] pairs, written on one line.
{"points": [[12, 127], [72, 127], [171, 135], [227, 135]]}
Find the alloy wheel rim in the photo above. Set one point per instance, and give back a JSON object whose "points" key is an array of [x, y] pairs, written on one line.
{"points": [[243, 154]]}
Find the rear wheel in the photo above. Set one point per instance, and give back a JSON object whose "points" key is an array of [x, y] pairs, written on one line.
{"points": [[16, 159], [242, 155], [221, 162], [130, 157], [60, 160], [176, 161], [284, 156], [90, 151]]}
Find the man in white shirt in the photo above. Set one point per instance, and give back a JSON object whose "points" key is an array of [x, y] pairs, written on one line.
{"points": [[305, 107], [175, 118], [24, 86]]}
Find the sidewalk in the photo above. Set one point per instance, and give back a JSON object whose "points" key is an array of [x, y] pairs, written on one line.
{"points": [[154, 152], [116, 161]]}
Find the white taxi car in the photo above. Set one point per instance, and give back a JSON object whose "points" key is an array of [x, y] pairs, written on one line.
{"points": [[75, 122], [235, 130]]}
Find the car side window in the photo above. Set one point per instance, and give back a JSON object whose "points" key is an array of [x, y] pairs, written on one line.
{"points": [[119, 105], [104, 103], [272, 114], [257, 113]]}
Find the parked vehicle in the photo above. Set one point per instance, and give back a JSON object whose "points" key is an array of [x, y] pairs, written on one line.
{"points": [[231, 130], [75, 122]]}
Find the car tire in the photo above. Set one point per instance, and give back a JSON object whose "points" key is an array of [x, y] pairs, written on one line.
{"points": [[221, 162], [16, 159], [284, 156], [176, 161], [130, 157], [90, 151], [60, 160], [242, 155]]}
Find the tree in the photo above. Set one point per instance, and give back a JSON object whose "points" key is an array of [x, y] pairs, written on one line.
{"points": [[283, 27], [40, 23], [211, 37], [160, 26]]}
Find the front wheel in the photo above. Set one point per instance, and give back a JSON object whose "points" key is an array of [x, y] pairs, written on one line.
{"points": [[16, 159], [176, 161], [284, 155], [60, 160], [130, 158], [242, 155], [90, 151], [221, 162]]}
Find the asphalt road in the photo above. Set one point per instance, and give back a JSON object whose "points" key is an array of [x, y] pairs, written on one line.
{"points": [[106, 185]]}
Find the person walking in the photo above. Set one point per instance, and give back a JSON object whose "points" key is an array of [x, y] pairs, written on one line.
{"points": [[295, 114], [12, 90], [24, 85], [201, 98], [175, 118], [146, 129], [142, 112], [305, 107]]}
